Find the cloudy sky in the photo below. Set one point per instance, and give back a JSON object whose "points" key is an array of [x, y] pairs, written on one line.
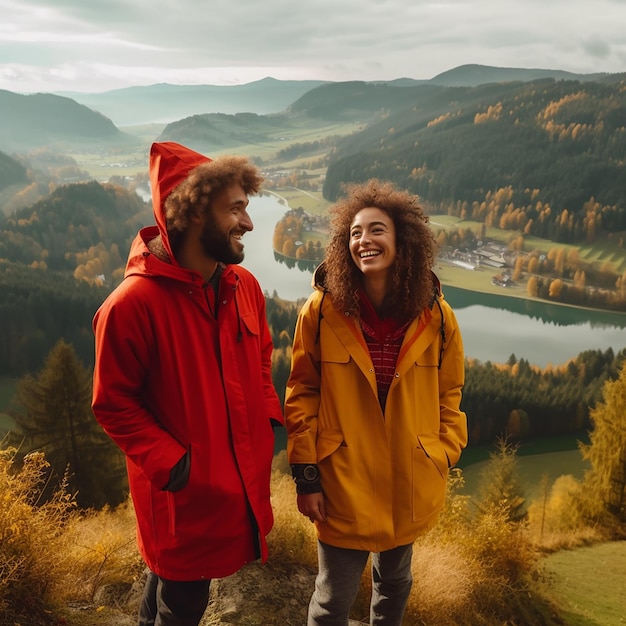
{"points": [[90, 45]]}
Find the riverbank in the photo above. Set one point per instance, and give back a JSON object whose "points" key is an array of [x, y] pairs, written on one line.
{"points": [[479, 279]]}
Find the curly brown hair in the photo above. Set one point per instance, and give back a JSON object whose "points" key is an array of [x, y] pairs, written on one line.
{"points": [[413, 282], [203, 183]]}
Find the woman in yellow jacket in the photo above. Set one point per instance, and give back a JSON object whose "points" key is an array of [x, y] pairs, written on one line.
{"points": [[373, 401]]}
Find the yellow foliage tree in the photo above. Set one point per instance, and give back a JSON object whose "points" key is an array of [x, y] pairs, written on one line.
{"points": [[605, 483], [556, 287]]}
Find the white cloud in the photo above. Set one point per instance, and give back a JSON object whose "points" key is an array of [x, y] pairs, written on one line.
{"points": [[84, 46]]}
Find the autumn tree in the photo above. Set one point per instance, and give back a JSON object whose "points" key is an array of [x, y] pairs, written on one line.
{"points": [[605, 483], [532, 287], [289, 248], [533, 265], [53, 415], [556, 287], [518, 424]]}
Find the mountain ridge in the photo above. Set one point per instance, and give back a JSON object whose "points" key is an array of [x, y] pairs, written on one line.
{"points": [[137, 105], [473, 75]]}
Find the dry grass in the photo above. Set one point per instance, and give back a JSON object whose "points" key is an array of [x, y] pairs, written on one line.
{"points": [[472, 569], [31, 534], [102, 550], [293, 538], [444, 584]]}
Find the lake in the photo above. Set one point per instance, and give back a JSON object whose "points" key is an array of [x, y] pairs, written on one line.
{"points": [[493, 327]]}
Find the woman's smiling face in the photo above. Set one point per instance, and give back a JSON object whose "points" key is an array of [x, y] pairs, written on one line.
{"points": [[373, 241]]}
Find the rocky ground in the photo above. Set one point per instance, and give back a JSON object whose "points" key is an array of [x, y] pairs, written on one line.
{"points": [[258, 595]]}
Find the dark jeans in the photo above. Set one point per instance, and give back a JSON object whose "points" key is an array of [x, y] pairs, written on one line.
{"points": [[172, 602], [339, 578]]}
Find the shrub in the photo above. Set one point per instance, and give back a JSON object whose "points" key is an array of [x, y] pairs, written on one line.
{"points": [[471, 569], [30, 535], [556, 521]]}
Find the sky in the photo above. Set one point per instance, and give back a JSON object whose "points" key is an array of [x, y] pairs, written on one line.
{"points": [[95, 46]]}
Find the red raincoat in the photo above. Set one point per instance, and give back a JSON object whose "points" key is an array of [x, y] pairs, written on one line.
{"points": [[169, 378]]}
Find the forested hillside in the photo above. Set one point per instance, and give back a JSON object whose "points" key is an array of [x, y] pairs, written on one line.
{"points": [[58, 259], [557, 149], [37, 308], [80, 228], [361, 101]]}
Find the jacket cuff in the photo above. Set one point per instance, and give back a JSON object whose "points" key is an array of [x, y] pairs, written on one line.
{"points": [[307, 478]]}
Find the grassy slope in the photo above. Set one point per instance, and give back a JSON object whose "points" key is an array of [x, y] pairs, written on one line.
{"points": [[588, 585]]}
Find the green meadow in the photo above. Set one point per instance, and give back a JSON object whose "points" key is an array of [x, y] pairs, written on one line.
{"points": [[587, 584]]}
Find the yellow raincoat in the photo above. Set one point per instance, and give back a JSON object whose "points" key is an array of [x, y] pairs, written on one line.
{"points": [[383, 475]]}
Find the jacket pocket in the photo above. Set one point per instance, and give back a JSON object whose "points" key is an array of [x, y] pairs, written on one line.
{"points": [[342, 497], [430, 475], [328, 442], [332, 350], [250, 323], [431, 356]]}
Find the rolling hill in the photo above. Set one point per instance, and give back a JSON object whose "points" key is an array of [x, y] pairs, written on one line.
{"points": [[473, 75], [41, 119]]}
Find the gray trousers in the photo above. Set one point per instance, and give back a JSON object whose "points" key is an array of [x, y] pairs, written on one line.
{"points": [[338, 581], [173, 603]]}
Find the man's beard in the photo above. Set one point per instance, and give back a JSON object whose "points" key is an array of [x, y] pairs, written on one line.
{"points": [[218, 245]]}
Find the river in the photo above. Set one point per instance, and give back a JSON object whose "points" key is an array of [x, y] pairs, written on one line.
{"points": [[493, 327]]}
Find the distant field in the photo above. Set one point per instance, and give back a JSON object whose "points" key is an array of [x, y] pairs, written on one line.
{"points": [[607, 250], [102, 166], [546, 456], [476, 280], [532, 470], [135, 160], [311, 201]]}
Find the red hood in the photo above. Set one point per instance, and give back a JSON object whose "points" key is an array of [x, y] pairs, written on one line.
{"points": [[170, 164]]}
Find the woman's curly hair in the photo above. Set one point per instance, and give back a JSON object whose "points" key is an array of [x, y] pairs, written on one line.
{"points": [[201, 186], [413, 282]]}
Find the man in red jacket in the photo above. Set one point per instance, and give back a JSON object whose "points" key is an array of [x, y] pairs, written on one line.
{"points": [[182, 383]]}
